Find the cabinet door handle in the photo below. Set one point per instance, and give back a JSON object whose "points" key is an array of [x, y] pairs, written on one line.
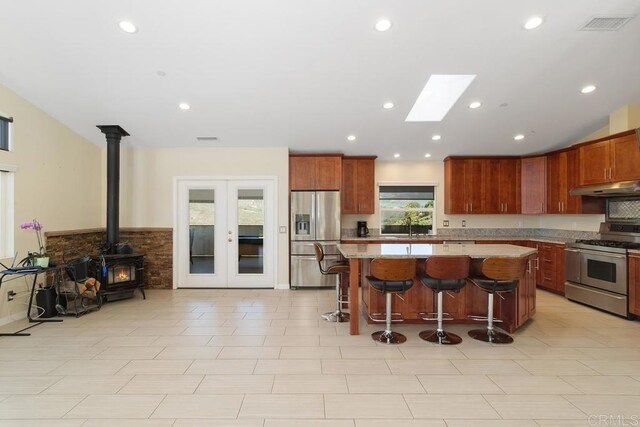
{"points": [[605, 174], [538, 263], [471, 204], [559, 207], [506, 207], [528, 266], [610, 174]]}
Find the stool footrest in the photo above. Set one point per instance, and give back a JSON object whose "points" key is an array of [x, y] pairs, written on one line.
{"points": [[434, 316], [382, 317], [483, 319]]}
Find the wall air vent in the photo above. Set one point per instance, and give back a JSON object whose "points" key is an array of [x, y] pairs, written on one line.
{"points": [[606, 23], [207, 138]]}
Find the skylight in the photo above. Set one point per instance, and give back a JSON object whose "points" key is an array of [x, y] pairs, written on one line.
{"points": [[438, 96]]}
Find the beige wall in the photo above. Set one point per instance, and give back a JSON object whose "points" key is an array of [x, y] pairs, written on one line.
{"points": [[625, 118], [147, 198], [432, 172], [57, 182]]}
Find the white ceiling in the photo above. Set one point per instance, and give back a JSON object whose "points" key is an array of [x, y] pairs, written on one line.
{"points": [[307, 73]]}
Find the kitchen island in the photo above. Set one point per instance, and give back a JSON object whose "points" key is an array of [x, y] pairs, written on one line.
{"points": [[515, 309]]}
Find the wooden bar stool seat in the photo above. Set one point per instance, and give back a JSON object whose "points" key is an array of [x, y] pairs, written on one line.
{"points": [[391, 276], [444, 274], [339, 269], [498, 275]]}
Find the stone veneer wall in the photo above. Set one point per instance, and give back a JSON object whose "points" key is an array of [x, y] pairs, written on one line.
{"points": [[155, 243]]}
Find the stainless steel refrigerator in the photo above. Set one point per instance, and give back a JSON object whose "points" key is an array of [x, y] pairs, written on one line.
{"points": [[315, 217]]}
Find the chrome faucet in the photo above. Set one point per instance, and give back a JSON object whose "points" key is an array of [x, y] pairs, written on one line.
{"points": [[409, 224]]}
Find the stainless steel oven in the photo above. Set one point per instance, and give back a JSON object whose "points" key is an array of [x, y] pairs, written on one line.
{"points": [[596, 270], [604, 271]]}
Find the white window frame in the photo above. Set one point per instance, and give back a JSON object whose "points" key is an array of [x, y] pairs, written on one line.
{"points": [[409, 184], [7, 214], [9, 135]]}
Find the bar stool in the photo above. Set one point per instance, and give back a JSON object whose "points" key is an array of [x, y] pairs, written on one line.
{"points": [[390, 276], [498, 275], [339, 269], [444, 274]]}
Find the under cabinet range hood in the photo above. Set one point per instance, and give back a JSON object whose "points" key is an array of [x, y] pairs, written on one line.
{"points": [[612, 189]]}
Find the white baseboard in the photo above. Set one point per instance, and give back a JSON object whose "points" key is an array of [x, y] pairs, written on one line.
{"points": [[282, 286], [13, 317]]}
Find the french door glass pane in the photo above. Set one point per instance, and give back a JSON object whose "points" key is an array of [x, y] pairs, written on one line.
{"points": [[250, 231], [201, 231]]}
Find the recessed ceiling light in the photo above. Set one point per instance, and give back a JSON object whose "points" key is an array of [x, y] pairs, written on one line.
{"points": [[588, 89], [396, 155], [161, 73], [128, 27], [519, 137], [533, 22], [383, 25], [184, 106], [387, 105], [440, 93], [427, 155], [436, 137], [351, 138], [475, 104]]}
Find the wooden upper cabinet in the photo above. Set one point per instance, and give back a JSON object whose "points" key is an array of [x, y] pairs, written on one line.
{"points": [[315, 172], [328, 173], [554, 183], [502, 186], [464, 186], [534, 180], [614, 159], [625, 158], [595, 160], [562, 177], [482, 185], [509, 186], [358, 185]]}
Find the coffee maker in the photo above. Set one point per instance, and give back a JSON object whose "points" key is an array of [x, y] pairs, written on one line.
{"points": [[363, 231]]}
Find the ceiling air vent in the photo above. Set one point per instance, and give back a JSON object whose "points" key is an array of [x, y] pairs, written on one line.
{"points": [[606, 23], [207, 138]]}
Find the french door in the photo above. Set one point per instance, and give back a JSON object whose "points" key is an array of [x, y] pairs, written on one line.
{"points": [[225, 233]]}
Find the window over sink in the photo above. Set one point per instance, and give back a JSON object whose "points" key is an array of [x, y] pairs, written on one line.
{"points": [[406, 209]]}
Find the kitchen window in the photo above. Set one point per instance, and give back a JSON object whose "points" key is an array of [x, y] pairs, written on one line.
{"points": [[406, 208], [5, 132]]}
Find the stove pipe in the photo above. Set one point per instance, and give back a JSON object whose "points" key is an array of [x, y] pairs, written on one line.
{"points": [[113, 134]]}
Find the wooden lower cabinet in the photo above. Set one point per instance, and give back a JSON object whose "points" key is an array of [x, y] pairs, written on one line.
{"points": [[550, 267], [514, 310], [634, 284]]}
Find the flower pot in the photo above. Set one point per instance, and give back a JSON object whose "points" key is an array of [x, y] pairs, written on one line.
{"points": [[42, 261]]}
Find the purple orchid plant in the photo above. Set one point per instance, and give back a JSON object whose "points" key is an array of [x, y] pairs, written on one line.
{"points": [[37, 227]]}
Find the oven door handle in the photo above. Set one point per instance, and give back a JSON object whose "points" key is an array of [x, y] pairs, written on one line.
{"points": [[603, 254], [572, 250]]}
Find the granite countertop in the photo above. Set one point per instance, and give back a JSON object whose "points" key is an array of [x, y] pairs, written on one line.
{"points": [[424, 250], [430, 237]]}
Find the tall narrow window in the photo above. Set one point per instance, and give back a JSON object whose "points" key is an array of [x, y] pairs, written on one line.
{"points": [[6, 211], [5, 132], [406, 209]]}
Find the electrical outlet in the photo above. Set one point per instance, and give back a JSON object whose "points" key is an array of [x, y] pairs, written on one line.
{"points": [[464, 223], [283, 230], [445, 223], [11, 295]]}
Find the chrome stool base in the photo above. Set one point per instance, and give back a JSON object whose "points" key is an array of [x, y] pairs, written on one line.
{"points": [[388, 337], [440, 337], [491, 336], [336, 316]]}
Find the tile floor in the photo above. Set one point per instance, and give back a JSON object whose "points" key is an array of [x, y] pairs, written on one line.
{"points": [[263, 358]]}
